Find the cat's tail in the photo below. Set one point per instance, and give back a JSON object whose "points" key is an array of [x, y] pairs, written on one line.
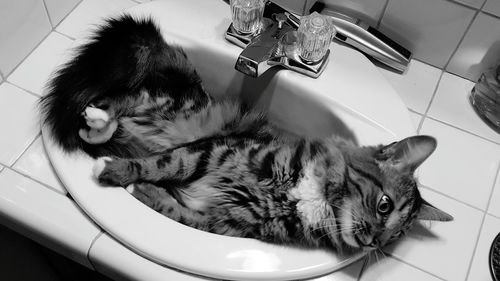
{"points": [[124, 57]]}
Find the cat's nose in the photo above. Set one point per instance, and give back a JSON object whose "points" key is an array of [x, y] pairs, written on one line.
{"points": [[375, 243]]}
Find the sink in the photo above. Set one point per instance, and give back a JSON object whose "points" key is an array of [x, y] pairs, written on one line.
{"points": [[351, 98]]}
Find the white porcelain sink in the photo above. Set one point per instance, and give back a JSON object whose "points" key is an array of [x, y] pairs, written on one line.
{"points": [[351, 98]]}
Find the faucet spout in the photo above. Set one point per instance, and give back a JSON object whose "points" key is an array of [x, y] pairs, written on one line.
{"points": [[254, 59], [276, 43]]}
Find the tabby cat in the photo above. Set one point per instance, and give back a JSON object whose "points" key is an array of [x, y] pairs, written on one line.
{"points": [[137, 104]]}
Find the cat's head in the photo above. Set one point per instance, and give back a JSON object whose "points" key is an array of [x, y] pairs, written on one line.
{"points": [[384, 200]]}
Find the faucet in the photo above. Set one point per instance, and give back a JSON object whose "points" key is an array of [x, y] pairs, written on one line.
{"points": [[282, 41]]}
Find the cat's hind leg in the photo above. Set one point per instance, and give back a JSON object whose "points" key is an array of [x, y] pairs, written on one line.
{"points": [[101, 125]]}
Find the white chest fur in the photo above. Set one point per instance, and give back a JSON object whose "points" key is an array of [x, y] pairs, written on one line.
{"points": [[309, 193]]}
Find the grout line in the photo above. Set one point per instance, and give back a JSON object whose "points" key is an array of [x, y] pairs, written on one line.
{"points": [[92, 244], [414, 266], [492, 215], [463, 130], [43, 39], [490, 14], [27, 91], [430, 102], [69, 13], [65, 35], [476, 13], [414, 111], [420, 122], [466, 5], [482, 223], [450, 197], [35, 180], [384, 9], [29, 54], [48, 15], [26, 149]]}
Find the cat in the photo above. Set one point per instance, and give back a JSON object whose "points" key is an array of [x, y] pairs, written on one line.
{"points": [[137, 104]]}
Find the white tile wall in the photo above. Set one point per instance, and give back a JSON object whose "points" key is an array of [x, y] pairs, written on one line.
{"points": [[390, 269], [480, 48], [494, 207], [479, 269], [35, 71], [472, 3], [368, 10], [492, 6], [89, 13], [58, 9], [451, 105], [463, 166], [23, 24], [431, 28], [35, 164], [416, 86], [18, 120]]}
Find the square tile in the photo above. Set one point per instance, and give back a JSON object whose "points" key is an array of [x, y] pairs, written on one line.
{"points": [[58, 9], [23, 24], [89, 14], [451, 105], [494, 207], [463, 166], [35, 71], [368, 10], [443, 249], [34, 163], [480, 49], [416, 86], [390, 269], [479, 270], [18, 120], [492, 7], [432, 29], [45, 216]]}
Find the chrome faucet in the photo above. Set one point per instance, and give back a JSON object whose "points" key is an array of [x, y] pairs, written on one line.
{"points": [[279, 42]]}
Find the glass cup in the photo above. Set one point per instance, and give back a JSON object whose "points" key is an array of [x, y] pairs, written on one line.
{"points": [[485, 97], [247, 15]]}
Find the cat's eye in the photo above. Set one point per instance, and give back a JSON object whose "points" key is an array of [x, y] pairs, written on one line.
{"points": [[385, 205], [397, 234]]}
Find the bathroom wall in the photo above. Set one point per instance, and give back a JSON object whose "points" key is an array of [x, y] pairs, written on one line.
{"points": [[24, 24], [459, 36]]}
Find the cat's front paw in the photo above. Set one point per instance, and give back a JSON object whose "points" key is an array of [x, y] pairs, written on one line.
{"points": [[101, 126], [112, 172]]}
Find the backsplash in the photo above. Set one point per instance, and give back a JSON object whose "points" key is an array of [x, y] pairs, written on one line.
{"points": [[24, 24], [461, 37]]}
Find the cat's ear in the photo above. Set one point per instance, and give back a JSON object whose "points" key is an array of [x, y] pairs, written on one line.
{"points": [[406, 155], [431, 213]]}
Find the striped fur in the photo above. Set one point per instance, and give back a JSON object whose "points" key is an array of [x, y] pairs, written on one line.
{"points": [[218, 166], [254, 180]]}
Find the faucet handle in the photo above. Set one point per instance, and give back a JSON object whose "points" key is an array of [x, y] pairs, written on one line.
{"points": [[315, 33]]}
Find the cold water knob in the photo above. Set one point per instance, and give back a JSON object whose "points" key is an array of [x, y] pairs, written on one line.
{"points": [[314, 36]]}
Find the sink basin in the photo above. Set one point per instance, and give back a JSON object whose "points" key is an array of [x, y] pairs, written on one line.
{"points": [[350, 99]]}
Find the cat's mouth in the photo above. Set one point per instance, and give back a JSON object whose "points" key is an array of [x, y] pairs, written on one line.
{"points": [[363, 245]]}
